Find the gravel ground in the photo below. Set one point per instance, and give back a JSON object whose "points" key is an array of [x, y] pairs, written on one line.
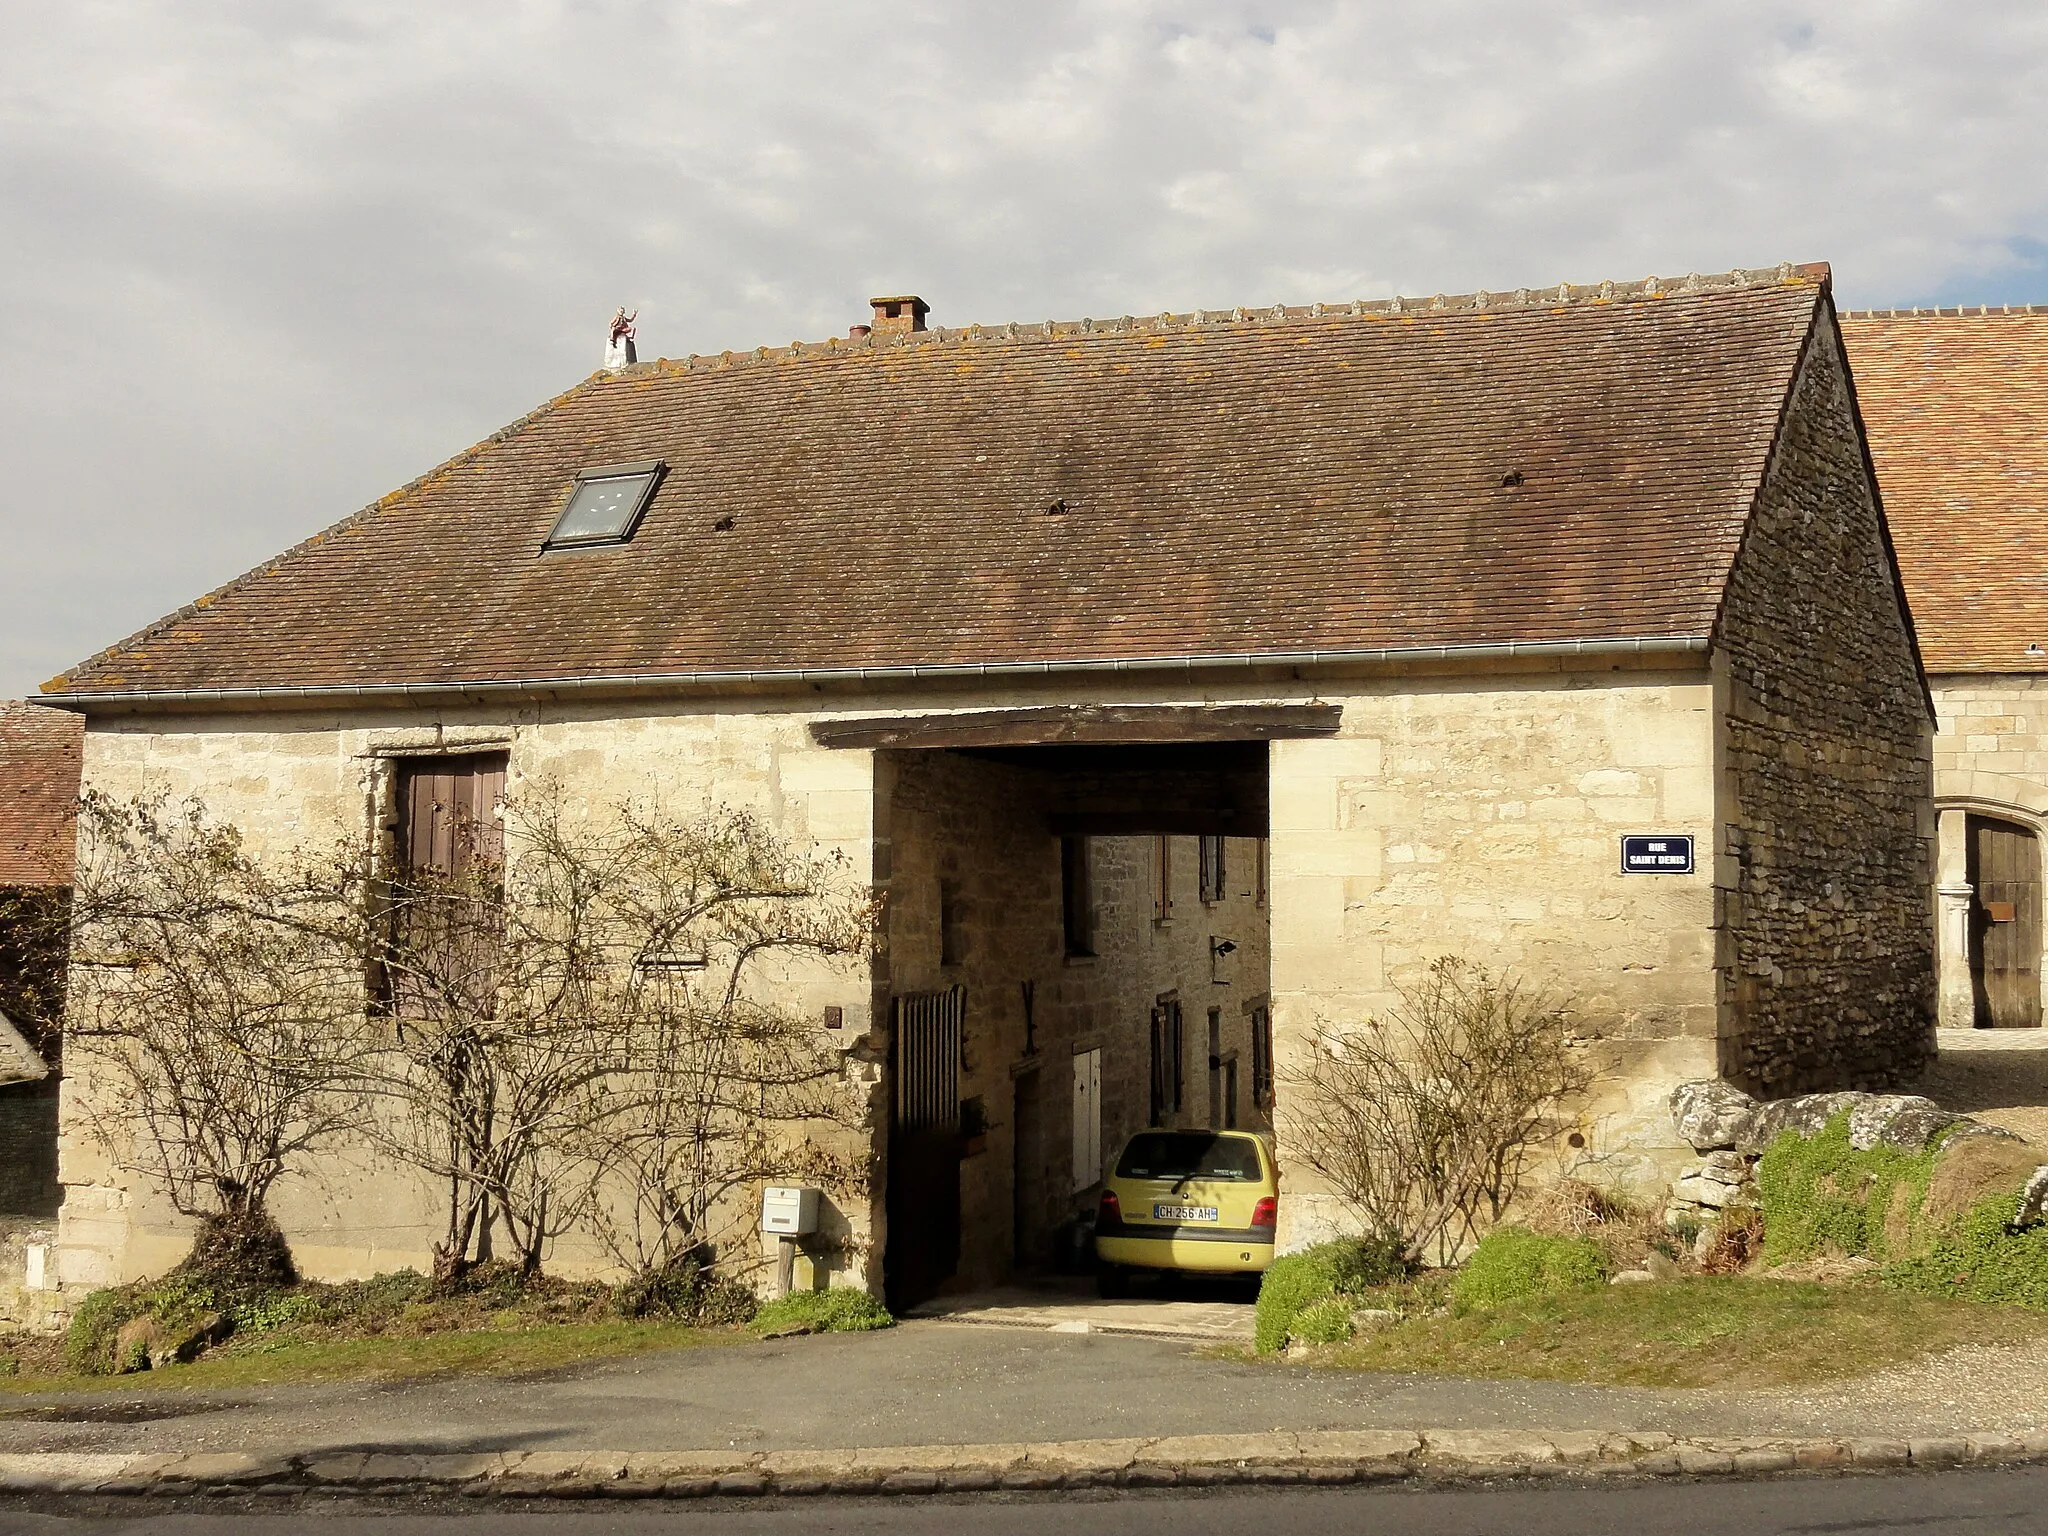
{"points": [[2000, 1076], [2005, 1385]]}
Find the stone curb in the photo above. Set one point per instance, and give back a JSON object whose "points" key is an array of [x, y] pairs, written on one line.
{"points": [[1319, 1457]]}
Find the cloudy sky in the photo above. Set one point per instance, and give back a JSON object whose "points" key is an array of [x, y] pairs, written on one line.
{"points": [[266, 260]]}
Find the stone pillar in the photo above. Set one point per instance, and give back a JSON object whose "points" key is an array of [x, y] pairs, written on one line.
{"points": [[1958, 1007]]}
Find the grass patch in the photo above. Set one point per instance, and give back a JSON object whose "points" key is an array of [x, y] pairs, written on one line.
{"points": [[281, 1358], [1820, 1195], [839, 1310], [1511, 1263], [1297, 1282], [1701, 1332], [1981, 1258]]}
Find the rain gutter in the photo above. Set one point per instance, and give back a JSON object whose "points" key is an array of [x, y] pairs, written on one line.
{"points": [[668, 682]]}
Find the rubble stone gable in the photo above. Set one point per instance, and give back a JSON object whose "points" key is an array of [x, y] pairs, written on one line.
{"points": [[1826, 946]]}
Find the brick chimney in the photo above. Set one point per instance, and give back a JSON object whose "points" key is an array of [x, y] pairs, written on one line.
{"points": [[903, 312]]}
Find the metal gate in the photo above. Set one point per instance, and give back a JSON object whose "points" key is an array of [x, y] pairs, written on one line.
{"points": [[924, 1145]]}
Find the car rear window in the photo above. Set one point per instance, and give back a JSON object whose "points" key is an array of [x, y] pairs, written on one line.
{"points": [[1190, 1155]]}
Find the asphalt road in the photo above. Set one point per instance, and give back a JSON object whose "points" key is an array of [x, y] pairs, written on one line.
{"points": [[919, 1384], [1980, 1503]]}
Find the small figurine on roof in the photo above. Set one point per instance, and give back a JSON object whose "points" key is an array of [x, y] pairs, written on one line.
{"points": [[618, 352]]}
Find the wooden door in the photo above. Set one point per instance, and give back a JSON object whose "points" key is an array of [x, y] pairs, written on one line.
{"points": [[1087, 1120], [923, 1195], [2005, 923]]}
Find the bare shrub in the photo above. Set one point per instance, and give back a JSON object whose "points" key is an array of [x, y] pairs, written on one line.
{"points": [[1572, 1208], [1425, 1122], [1735, 1240], [578, 1038], [725, 1084], [216, 1008], [498, 1048], [1627, 1233]]}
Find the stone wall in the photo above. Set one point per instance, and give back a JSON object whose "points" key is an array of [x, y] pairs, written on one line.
{"points": [[1482, 819], [974, 836], [1990, 756], [1991, 742], [289, 780], [1825, 861]]}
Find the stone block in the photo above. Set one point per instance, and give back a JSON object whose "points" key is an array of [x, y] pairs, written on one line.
{"points": [[1749, 1463], [229, 1467], [1201, 1450], [1357, 1444], [1489, 1446], [1938, 1453], [1710, 1114]]}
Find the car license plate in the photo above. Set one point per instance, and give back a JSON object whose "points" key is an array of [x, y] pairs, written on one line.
{"points": [[1183, 1213]]}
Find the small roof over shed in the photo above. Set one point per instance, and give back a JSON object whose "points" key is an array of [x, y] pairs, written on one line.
{"points": [[1554, 467]]}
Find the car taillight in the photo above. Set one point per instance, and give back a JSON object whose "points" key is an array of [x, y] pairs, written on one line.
{"points": [[1267, 1212], [1110, 1211]]}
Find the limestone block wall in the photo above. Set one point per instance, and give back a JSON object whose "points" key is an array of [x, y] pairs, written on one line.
{"points": [[1482, 818], [288, 780], [1826, 852], [1991, 742], [974, 837], [1990, 756]]}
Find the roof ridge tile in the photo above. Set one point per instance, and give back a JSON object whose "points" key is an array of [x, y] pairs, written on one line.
{"points": [[1947, 312], [1481, 300]]}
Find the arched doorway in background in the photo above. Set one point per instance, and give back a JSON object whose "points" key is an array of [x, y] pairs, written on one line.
{"points": [[2005, 923]]}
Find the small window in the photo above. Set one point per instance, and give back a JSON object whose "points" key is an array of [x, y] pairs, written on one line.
{"points": [[1169, 1067], [1077, 897], [1261, 870], [1162, 880], [606, 505], [1212, 870]]}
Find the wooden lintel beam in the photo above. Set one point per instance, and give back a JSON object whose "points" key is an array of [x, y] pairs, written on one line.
{"points": [[1090, 724]]}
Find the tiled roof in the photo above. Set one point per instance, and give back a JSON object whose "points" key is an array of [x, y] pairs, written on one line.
{"points": [[1559, 465], [39, 761], [1955, 402]]}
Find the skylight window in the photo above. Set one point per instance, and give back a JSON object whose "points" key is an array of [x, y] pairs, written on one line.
{"points": [[606, 505]]}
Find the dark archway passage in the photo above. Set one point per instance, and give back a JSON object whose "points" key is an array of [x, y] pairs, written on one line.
{"points": [[1071, 896]]}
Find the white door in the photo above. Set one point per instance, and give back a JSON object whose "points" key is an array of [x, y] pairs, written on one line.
{"points": [[1087, 1118]]}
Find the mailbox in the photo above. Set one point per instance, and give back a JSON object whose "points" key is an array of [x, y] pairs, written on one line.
{"points": [[787, 1211]]}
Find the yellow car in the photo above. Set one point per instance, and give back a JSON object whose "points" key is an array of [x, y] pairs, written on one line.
{"points": [[1200, 1201]]}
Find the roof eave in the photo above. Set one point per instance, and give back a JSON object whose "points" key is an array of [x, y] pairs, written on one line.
{"points": [[485, 689]]}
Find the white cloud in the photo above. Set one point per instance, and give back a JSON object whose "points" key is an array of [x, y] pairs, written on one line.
{"points": [[267, 260]]}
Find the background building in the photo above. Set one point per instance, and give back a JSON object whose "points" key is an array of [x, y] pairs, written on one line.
{"points": [[1956, 403]]}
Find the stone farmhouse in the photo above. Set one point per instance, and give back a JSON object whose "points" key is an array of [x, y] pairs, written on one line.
{"points": [[1181, 681], [1956, 403]]}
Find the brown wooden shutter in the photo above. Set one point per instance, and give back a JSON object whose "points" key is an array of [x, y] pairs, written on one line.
{"points": [[448, 812]]}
